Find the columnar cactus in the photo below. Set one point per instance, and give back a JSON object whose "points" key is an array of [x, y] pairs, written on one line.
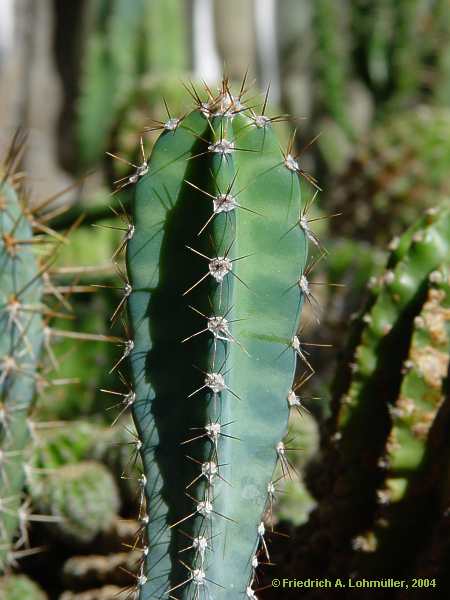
{"points": [[28, 301], [21, 340], [394, 177], [216, 262], [333, 68]]}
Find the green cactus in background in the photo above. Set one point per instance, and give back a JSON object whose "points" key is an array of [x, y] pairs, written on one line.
{"points": [[165, 37], [388, 324], [375, 470], [394, 176], [21, 340], [440, 37], [81, 498], [78, 441], [112, 447], [71, 443], [29, 299], [216, 264], [333, 65], [406, 56], [18, 587], [109, 71], [421, 393], [127, 40]]}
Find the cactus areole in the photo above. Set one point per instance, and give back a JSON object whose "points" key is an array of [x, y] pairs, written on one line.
{"points": [[214, 264]]}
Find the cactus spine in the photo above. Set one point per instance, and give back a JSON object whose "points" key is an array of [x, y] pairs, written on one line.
{"points": [[216, 266]]}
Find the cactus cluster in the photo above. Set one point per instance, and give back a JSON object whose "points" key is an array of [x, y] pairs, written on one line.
{"points": [[216, 262], [214, 275], [30, 298], [18, 587], [83, 477], [384, 448]]}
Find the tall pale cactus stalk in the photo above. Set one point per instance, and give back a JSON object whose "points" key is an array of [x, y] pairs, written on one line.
{"points": [[216, 257]]}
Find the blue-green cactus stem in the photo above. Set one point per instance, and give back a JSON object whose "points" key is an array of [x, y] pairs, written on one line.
{"points": [[214, 266]]}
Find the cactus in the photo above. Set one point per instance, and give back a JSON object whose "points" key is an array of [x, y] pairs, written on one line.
{"points": [[21, 340], [407, 68], [375, 461], [67, 444], [100, 574], [333, 68], [421, 393], [387, 326], [165, 39], [108, 592], [440, 35], [61, 455], [128, 40], [413, 416], [82, 499], [372, 31], [392, 44], [216, 265], [89, 571], [394, 176], [109, 70]]}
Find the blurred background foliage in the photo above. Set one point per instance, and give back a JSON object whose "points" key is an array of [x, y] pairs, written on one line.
{"points": [[371, 78]]}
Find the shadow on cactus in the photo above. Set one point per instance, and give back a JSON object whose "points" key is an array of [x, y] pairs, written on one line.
{"points": [[394, 176]]}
